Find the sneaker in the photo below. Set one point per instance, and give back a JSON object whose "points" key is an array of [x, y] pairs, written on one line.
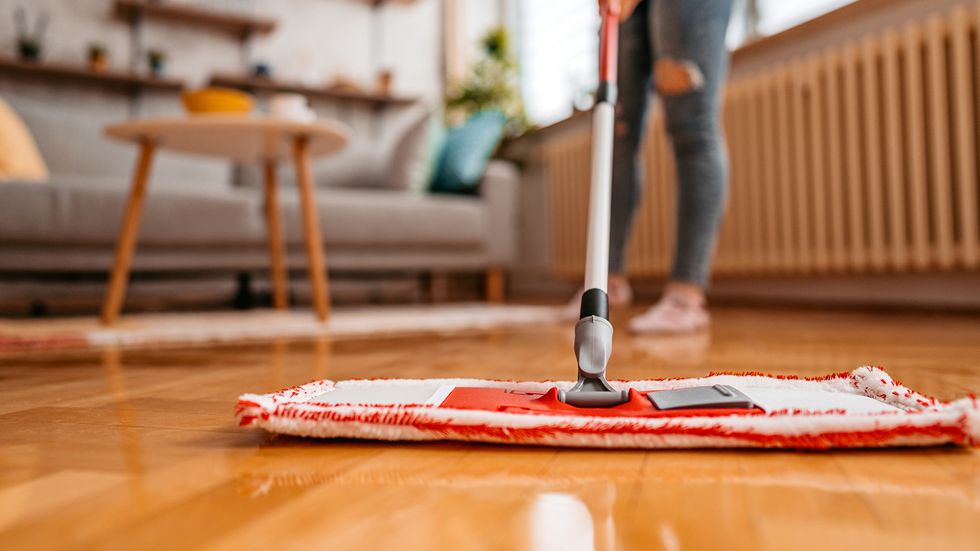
{"points": [[672, 314]]}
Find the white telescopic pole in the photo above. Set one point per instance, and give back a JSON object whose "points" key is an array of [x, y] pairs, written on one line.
{"points": [[600, 193]]}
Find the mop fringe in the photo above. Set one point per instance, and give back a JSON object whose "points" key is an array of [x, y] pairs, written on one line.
{"points": [[919, 420]]}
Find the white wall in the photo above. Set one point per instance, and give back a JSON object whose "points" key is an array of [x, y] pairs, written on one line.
{"points": [[315, 41]]}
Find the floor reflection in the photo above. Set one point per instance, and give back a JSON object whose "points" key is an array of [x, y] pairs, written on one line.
{"points": [[587, 499], [132, 448], [286, 462], [561, 520]]}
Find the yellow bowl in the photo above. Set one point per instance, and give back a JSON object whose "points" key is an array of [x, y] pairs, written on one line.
{"points": [[217, 100]]}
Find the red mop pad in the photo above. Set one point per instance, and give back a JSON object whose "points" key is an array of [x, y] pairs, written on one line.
{"points": [[864, 408]]}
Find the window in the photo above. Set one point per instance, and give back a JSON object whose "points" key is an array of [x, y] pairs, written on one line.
{"points": [[759, 18], [779, 15], [557, 44]]}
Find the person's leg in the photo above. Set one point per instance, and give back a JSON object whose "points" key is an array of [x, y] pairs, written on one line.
{"points": [[634, 72], [689, 38], [691, 62]]}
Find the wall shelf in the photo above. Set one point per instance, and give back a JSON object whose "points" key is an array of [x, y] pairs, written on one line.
{"points": [[257, 84], [125, 80], [376, 3], [237, 25]]}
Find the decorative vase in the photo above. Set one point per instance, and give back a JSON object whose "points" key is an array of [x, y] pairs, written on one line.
{"points": [[98, 64]]}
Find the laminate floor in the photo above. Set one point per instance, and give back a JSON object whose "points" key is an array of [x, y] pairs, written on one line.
{"points": [[138, 449]]}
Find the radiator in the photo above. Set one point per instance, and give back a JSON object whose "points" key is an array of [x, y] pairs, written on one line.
{"points": [[859, 158]]}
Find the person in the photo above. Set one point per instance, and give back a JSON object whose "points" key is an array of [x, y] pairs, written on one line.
{"points": [[677, 48]]}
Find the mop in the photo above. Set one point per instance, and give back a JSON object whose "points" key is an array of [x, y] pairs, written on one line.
{"points": [[863, 408]]}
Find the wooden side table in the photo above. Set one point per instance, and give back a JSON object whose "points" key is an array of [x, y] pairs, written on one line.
{"points": [[237, 138]]}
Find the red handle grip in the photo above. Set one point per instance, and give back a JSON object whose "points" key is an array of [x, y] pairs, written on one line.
{"points": [[608, 44]]}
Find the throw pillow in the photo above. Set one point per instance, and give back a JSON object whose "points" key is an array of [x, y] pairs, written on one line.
{"points": [[466, 151], [416, 153], [19, 157]]}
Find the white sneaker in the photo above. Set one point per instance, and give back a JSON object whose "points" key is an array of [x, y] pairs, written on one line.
{"points": [[672, 314]]}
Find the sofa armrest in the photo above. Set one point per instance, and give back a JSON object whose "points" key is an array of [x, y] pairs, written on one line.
{"points": [[500, 189]]}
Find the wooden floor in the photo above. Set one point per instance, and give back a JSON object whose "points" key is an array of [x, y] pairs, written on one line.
{"points": [[138, 450]]}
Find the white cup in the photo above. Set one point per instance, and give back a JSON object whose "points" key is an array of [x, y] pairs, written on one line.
{"points": [[291, 106]]}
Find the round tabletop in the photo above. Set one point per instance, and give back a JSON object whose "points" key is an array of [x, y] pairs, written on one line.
{"points": [[242, 138]]}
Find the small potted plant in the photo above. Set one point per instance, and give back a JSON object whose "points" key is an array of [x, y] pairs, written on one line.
{"points": [[261, 69], [383, 81], [98, 57], [29, 44], [28, 48], [157, 61]]}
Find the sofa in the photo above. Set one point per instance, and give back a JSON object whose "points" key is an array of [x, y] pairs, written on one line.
{"points": [[206, 216]]}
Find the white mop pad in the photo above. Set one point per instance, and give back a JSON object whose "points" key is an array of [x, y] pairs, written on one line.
{"points": [[864, 408]]}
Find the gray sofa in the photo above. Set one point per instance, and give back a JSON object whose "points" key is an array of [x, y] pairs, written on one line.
{"points": [[205, 216]]}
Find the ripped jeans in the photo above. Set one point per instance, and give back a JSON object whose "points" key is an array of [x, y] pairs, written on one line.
{"points": [[678, 46]]}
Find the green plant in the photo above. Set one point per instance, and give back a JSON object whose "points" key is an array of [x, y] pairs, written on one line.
{"points": [[97, 50], [98, 56], [30, 42], [492, 84], [156, 59]]}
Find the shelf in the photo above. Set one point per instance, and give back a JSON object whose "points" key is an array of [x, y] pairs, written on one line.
{"points": [[379, 3], [240, 26], [256, 84], [43, 70]]}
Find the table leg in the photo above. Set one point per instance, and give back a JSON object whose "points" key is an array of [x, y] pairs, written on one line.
{"points": [[495, 285], [126, 242], [311, 229], [277, 253]]}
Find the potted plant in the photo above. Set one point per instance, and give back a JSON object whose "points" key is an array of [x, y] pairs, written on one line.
{"points": [[384, 79], [29, 48], [157, 61], [492, 85], [30, 43], [261, 69], [98, 57]]}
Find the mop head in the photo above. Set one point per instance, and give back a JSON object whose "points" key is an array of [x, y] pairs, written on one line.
{"points": [[861, 409]]}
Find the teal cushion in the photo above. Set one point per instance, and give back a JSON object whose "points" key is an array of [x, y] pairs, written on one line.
{"points": [[465, 152]]}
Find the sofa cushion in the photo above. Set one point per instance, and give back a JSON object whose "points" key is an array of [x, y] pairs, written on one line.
{"points": [[91, 213], [73, 142], [383, 217], [359, 165]]}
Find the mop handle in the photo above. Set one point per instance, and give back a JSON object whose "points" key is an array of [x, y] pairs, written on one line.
{"points": [[595, 300], [608, 46]]}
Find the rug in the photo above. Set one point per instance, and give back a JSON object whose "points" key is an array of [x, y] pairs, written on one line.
{"points": [[262, 325], [861, 409]]}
